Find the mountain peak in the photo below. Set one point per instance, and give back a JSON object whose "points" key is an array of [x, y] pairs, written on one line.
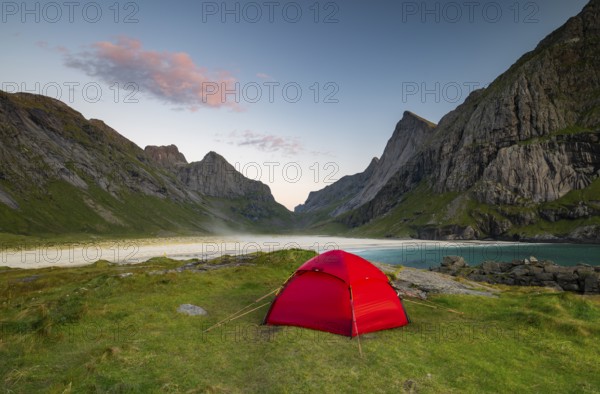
{"points": [[167, 156], [213, 156], [412, 118]]}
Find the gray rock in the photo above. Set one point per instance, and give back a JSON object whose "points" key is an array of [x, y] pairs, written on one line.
{"points": [[591, 284], [454, 262], [552, 268], [191, 310], [544, 277], [536, 270], [552, 285], [569, 286], [411, 279], [567, 276], [491, 267], [583, 278], [167, 156], [520, 270]]}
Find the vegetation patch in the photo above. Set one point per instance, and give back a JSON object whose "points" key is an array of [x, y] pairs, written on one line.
{"points": [[94, 329]]}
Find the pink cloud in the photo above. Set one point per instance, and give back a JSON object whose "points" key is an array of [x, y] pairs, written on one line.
{"points": [[266, 142], [172, 77]]}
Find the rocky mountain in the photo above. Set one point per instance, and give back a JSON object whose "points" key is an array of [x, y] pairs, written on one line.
{"points": [[339, 192], [409, 136], [167, 156], [63, 174], [519, 159], [213, 176]]}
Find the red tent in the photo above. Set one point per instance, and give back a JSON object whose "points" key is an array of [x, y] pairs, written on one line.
{"points": [[338, 292]]}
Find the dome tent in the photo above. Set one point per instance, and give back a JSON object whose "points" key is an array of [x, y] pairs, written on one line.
{"points": [[338, 292]]}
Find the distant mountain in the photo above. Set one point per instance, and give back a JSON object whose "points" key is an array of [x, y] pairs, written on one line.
{"points": [[410, 135], [339, 192], [63, 174], [517, 160]]}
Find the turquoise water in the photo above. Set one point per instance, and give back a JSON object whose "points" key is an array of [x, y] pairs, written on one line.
{"points": [[430, 254]]}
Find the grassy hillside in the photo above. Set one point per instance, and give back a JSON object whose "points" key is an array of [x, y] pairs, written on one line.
{"points": [[422, 209], [89, 329]]}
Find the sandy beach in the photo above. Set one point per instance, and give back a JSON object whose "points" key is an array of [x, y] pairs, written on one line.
{"points": [[183, 248]]}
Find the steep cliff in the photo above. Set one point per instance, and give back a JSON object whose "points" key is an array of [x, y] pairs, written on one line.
{"points": [[513, 155]]}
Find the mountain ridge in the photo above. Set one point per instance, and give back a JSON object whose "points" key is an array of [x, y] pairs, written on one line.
{"points": [[61, 173], [497, 163]]}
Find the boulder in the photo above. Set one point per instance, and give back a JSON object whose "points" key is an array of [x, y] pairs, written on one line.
{"points": [[520, 270], [551, 268], [489, 267], [544, 276], [454, 262], [591, 284], [582, 278]]}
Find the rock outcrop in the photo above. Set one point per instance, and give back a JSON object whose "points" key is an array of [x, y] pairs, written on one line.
{"points": [[167, 156], [581, 278]]}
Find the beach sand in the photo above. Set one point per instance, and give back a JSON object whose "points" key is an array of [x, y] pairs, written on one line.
{"points": [[183, 248]]}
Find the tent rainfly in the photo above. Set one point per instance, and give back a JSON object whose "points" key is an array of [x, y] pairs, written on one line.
{"points": [[338, 292]]}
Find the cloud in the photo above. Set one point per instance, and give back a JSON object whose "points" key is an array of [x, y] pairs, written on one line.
{"points": [[264, 76], [266, 142], [171, 77]]}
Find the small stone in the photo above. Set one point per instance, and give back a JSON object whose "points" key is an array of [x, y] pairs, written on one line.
{"points": [[125, 274], [533, 259], [191, 310]]}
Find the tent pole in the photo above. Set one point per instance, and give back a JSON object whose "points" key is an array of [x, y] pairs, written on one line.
{"points": [[355, 324]]}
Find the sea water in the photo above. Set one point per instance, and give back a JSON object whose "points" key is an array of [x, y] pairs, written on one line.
{"points": [[430, 254]]}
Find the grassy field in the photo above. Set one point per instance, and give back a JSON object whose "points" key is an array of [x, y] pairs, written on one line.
{"points": [[88, 329]]}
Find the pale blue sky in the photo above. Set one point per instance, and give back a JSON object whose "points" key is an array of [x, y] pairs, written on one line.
{"points": [[368, 62]]}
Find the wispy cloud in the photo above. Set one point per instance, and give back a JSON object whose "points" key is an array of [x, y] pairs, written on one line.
{"points": [[265, 142], [264, 76], [171, 77]]}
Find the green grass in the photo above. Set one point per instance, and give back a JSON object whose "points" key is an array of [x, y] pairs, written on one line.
{"points": [[88, 330], [571, 130], [417, 208], [62, 214]]}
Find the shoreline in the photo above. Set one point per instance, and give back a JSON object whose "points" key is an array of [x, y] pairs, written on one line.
{"points": [[131, 251]]}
